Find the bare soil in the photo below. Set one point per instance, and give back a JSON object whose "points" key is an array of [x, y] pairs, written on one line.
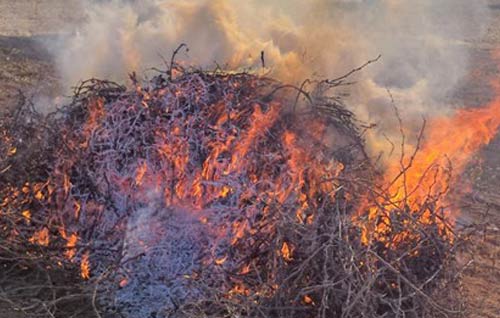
{"points": [[25, 65], [481, 281]]}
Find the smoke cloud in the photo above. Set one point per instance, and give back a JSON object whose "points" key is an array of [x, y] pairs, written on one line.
{"points": [[423, 45]]}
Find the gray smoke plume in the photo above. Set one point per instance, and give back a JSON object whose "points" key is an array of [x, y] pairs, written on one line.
{"points": [[423, 45]]}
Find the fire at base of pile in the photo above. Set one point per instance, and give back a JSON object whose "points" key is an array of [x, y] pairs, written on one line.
{"points": [[206, 194]]}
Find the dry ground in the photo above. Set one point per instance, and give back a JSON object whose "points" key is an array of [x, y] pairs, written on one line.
{"points": [[24, 24], [25, 65], [482, 281]]}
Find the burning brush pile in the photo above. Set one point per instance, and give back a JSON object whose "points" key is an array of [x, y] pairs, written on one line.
{"points": [[211, 194]]}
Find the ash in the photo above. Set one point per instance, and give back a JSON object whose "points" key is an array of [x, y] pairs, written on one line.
{"points": [[163, 248]]}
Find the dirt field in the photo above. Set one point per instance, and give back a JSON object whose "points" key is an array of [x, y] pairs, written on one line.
{"points": [[25, 65], [481, 282]]}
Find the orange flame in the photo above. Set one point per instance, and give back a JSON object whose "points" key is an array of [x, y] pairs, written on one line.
{"points": [[141, 171], [41, 237], [454, 139], [71, 244], [27, 215], [85, 266], [426, 173], [286, 252]]}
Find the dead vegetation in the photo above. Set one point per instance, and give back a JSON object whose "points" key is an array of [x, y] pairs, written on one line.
{"points": [[209, 194]]}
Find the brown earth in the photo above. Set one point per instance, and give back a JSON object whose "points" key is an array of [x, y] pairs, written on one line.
{"points": [[481, 281], [25, 65]]}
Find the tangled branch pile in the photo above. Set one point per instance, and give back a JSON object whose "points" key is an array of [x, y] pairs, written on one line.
{"points": [[207, 194]]}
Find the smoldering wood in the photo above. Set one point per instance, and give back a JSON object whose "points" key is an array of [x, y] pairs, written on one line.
{"points": [[148, 257]]}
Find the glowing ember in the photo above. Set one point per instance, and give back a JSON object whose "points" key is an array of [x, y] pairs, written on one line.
{"points": [[27, 215], [85, 266], [286, 252], [41, 237], [71, 244]]}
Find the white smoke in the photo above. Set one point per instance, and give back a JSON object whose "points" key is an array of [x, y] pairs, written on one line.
{"points": [[423, 44]]}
